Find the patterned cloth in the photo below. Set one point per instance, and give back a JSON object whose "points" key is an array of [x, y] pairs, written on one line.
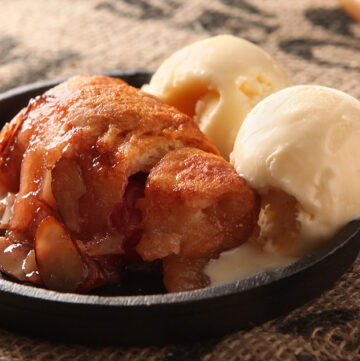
{"points": [[314, 39]]}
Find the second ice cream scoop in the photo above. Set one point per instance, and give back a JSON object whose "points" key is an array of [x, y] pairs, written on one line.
{"points": [[299, 148]]}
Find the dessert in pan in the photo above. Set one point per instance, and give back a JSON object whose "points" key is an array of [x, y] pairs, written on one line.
{"points": [[89, 189], [98, 177]]}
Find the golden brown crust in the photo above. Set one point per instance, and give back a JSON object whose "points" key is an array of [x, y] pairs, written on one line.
{"points": [[195, 207], [111, 129], [101, 131]]}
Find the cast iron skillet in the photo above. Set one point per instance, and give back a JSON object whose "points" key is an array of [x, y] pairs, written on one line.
{"points": [[158, 318]]}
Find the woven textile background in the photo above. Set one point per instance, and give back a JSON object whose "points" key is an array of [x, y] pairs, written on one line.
{"points": [[314, 39]]}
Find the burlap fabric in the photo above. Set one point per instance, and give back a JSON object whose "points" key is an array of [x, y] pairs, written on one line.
{"points": [[313, 39]]}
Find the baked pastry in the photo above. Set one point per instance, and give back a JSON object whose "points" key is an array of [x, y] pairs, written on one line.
{"points": [[73, 167], [195, 207]]}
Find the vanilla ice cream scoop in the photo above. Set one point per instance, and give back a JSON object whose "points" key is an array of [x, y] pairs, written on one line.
{"points": [[304, 142], [217, 81]]}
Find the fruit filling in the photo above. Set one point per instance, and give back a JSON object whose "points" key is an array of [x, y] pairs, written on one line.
{"points": [[279, 227], [127, 218]]}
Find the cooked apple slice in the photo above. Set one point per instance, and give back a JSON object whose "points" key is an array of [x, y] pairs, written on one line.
{"points": [[30, 268], [12, 256], [6, 209], [68, 187], [182, 274], [107, 245], [60, 264], [46, 194]]}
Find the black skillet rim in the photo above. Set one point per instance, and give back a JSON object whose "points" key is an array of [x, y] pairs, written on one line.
{"points": [[348, 239]]}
